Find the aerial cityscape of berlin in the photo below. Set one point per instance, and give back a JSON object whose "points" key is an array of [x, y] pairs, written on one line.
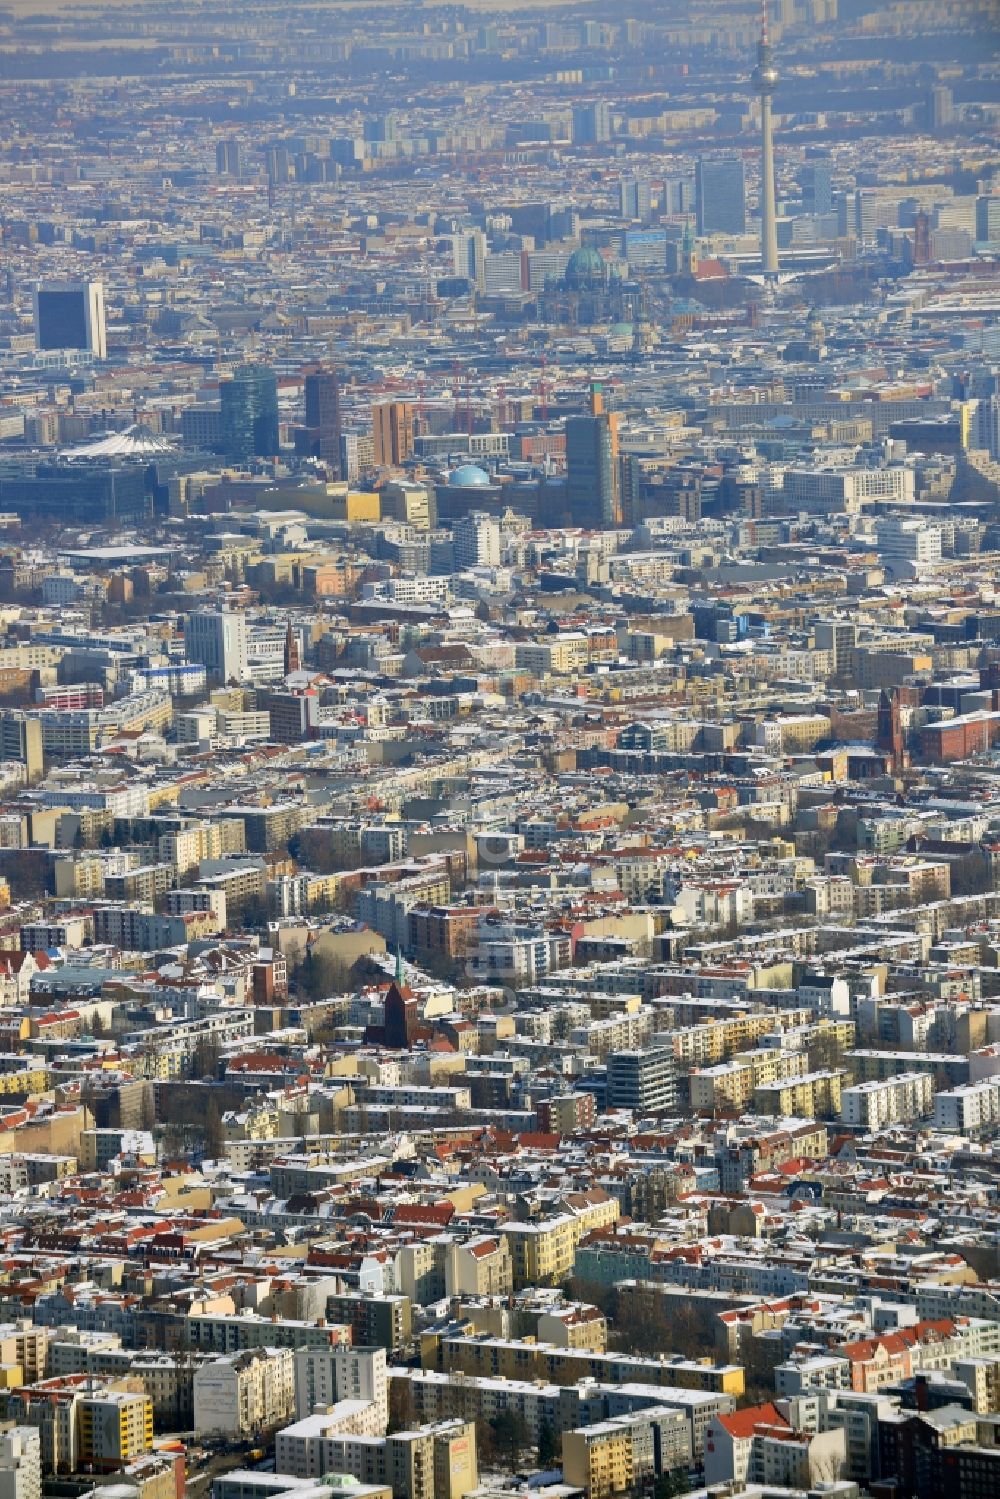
{"points": [[499, 749]]}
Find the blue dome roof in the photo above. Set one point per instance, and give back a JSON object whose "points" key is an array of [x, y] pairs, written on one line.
{"points": [[469, 477]]}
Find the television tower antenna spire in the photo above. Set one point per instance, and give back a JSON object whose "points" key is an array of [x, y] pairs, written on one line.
{"points": [[765, 81]]}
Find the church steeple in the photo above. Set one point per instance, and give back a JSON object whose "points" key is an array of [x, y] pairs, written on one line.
{"points": [[293, 659], [889, 738]]}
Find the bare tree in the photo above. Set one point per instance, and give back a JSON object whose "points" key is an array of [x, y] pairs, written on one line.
{"points": [[205, 1061], [215, 1135], [402, 1414], [511, 1434]]}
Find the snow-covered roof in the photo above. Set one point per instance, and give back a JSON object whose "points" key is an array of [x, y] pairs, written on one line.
{"points": [[135, 442]]}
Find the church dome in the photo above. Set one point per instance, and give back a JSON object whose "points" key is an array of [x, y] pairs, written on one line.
{"points": [[584, 265]]}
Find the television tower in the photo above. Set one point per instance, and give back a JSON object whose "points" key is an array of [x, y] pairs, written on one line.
{"points": [[765, 81]]}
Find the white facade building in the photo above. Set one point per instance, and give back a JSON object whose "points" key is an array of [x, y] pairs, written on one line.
{"points": [[477, 540], [20, 1463], [908, 547], [847, 489], [971, 1110], [242, 1394], [325, 1376], [219, 640], [873, 1105]]}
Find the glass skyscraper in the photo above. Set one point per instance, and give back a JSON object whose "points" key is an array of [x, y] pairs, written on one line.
{"points": [[250, 413], [323, 416], [70, 315], [816, 182], [591, 491], [720, 195]]}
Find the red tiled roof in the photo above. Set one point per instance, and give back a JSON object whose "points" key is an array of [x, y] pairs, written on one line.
{"points": [[741, 1424], [424, 1212], [536, 1140]]}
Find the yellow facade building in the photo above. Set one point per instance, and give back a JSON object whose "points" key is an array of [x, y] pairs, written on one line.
{"points": [[598, 1459]]}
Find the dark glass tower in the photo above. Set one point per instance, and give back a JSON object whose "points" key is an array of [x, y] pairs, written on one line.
{"points": [[250, 413], [70, 315], [590, 471], [323, 417]]}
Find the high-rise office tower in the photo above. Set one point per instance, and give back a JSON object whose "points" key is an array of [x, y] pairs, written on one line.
{"points": [[21, 739], [218, 639], [720, 195], [381, 128], [678, 195], [357, 455], [988, 218], [477, 540], [871, 212], [765, 80], [635, 198], [279, 165], [504, 273], [250, 413], [981, 425], [323, 417], [816, 184], [840, 638], [940, 107], [228, 160], [592, 493], [392, 429], [70, 315], [470, 257], [592, 123]]}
